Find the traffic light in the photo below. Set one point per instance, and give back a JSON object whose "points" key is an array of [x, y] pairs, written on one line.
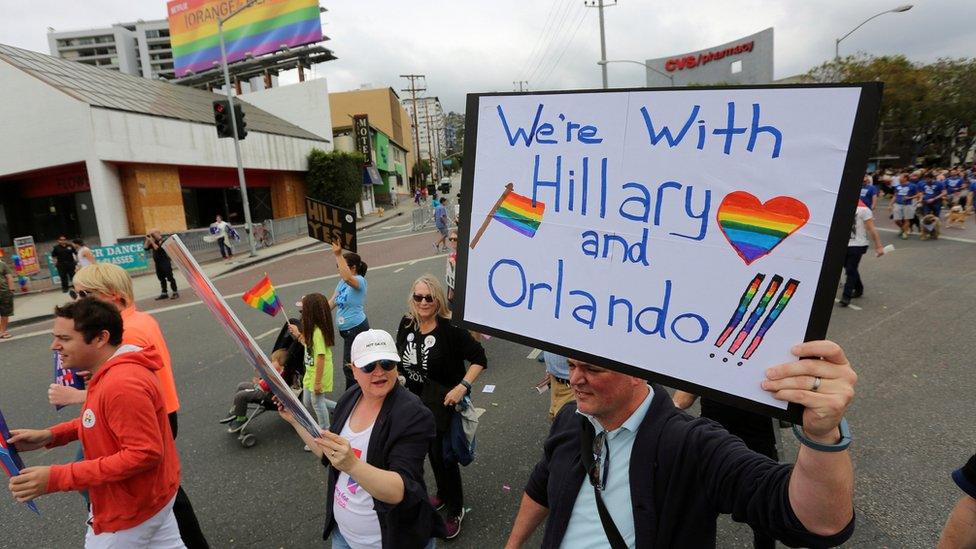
{"points": [[221, 109], [241, 123]]}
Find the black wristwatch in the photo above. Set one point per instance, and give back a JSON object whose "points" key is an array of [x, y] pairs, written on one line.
{"points": [[466, 385]]}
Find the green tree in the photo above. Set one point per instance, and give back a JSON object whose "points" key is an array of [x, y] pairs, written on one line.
{"points": [[335, 177], [421, 169]]}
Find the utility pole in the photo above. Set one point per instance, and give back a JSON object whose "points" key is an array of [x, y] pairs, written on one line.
{"points": [[522, 85], [413, 89], [430, 142], [603, 37], [233, 120]]}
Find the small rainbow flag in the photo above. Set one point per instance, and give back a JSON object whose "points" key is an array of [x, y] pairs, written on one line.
{"points": [[520, 213], [263, 297]]}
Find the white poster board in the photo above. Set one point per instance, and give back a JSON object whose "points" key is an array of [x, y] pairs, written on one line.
{"points": [[690, 236]]}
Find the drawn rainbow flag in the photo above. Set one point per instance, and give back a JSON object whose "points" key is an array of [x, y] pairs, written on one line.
{"points": [[263, 297], [781, 303], [753, 228], [520, 213]]}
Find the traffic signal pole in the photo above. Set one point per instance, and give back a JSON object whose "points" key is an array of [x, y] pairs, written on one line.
{"points": [[233, 120]]}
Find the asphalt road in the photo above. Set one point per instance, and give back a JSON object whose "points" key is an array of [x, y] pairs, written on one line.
{"points": [[910, 340]]}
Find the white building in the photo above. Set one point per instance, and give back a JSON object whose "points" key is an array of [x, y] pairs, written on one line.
{"points": [[428, 114], [103, 155], [141, 49]]}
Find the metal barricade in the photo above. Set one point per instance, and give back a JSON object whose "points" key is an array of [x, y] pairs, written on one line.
{"points": [[277, 232], [421, 217]]}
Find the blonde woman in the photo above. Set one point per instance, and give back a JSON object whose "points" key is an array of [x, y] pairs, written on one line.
{"points": [[433, 354]]}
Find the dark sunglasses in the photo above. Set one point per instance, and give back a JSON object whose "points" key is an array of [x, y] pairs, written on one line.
{"points": [[597, 473], [79, 294], [387, 365], [418, 298], [453, 239]]}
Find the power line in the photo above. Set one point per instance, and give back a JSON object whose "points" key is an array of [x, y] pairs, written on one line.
{"points": [[582, 17], [557, 29], [538, 42]]}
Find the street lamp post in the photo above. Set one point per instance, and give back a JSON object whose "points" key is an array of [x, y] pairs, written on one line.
{"points": [[837, 41], [233, 122], [646, 66]]}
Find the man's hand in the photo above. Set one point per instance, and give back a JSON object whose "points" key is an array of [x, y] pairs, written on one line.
{"points": [[60, 395], [795, 381], [30, 483], [30, 439]]}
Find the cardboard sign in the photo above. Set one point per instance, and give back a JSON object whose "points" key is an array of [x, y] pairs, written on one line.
{"points": [[25, 248], [687, 236], [328, 223], [224, 316]]}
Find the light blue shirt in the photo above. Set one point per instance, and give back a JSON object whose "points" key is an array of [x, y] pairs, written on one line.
{"points": [[585, 529], [556, 365], [349, 304]]}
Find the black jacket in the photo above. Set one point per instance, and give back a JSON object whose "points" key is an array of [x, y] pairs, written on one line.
{"points": [[64, 256], [684, 472], [398, 443]]}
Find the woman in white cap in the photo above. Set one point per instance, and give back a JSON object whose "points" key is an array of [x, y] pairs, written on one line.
{"points": [[374, 454]]}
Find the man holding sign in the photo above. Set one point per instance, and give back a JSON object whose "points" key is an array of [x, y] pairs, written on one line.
{"points": [[692, 469], [131, 468]]}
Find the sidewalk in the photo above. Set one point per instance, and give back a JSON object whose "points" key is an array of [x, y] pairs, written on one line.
{"points": [[38, 306]]}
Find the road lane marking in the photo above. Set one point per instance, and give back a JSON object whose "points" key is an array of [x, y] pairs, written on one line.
{"points": [[941, 236], [239, 294], [269, 332], [534, 354], [398, 270], [850, 306]]}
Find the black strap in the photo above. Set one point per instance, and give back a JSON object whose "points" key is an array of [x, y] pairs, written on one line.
{"points": [[586, 456]]}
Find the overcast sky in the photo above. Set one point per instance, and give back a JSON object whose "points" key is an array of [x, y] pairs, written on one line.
{"points": [[476, 46]]}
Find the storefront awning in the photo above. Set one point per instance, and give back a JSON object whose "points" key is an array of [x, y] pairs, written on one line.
{"points": [[371, 176]]}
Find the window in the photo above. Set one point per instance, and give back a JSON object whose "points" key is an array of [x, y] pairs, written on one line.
{"points": [[737, 67]]}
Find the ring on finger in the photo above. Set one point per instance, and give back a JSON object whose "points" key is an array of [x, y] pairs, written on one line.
{"points": [[816, 384]]}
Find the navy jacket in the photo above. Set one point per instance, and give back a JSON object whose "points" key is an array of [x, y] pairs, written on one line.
{"points": [[398, 443], [684, 472]]}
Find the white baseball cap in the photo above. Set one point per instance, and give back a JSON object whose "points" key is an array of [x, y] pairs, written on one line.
{"points": [[371, 346]]}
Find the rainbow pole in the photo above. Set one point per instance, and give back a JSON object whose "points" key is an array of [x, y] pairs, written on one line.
{"points": [[781, 303], [740, 312], [757, 313]]}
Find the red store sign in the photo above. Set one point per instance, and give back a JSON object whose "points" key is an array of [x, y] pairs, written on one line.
{"points": [[692, 61]]}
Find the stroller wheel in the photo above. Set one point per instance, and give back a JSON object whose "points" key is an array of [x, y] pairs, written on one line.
{"points": [[248, 441]]}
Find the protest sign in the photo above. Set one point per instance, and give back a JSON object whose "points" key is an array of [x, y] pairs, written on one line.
{"points": [[689, 236], [10, 460], [65, 376], [205, 289], [328, 223]]}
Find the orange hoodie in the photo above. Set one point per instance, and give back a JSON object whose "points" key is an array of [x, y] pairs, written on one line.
{"points": [[131, 468], [142, 330]]}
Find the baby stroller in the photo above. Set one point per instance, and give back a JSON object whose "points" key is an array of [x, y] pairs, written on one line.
{"points": [[294, 370]]}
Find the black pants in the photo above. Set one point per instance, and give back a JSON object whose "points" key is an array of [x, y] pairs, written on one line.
{"points": [[225, 250], [447, 477], [853, 285], [163, 276], [348, 336], [186, 519], [66, 273]]}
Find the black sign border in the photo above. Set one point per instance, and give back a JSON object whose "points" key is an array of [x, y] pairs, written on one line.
{"points": [[865, 124]]}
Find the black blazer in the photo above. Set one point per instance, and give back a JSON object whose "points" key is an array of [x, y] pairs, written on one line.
{"points": [[684, 472], [398, 443]]}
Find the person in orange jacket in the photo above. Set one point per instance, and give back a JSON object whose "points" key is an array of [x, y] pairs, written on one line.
{"points": [[130, 467]]}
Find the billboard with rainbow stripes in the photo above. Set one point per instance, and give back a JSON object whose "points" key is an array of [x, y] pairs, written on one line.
{"points": [[263, 28]]}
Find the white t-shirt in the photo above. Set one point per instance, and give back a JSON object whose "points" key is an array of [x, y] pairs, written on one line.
{"points": [[83, 261], [859, 235], [352, 506]]}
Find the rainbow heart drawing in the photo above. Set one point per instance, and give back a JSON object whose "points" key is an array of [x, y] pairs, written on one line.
{"points": [[754, 228]]}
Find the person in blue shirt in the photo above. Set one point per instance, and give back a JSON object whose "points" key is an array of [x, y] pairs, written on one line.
{"points": [[441, 222], [349, 302], [954, 184], [903, 207], [933, 191], [869, 192]]}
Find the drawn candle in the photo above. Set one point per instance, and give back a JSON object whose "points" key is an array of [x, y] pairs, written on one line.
{"points": [[747, 296], [759, 311], [781, 303]]}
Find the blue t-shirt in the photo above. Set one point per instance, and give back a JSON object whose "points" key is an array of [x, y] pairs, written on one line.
{"points": [[931, 189], [953, 184], [440, 216], [904, 192], [972, 184], [868, 192], [349, 304]]}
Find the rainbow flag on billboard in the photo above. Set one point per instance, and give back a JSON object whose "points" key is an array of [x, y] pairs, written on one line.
{"points": [[262, 28], [263, 297]]}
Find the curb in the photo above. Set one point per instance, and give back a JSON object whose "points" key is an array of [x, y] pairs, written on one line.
{"points": [[42, 318]]}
